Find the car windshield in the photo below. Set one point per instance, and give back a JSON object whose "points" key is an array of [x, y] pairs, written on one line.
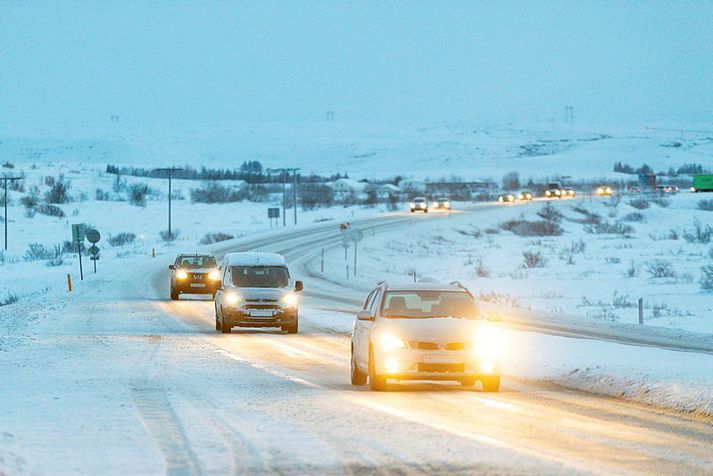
{"points": [[194, 262], [260, 276], [418, 200], [425, 304]]}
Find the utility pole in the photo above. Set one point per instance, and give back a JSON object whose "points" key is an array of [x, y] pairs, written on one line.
{"points": [[170, 172], [285, 172], [5, 180]]}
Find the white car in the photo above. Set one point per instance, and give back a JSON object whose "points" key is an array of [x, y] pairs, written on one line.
{"points": [[256, 290], [419, 204], [424, 331]]}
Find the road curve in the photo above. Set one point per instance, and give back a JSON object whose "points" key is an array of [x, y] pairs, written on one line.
{"points": [[300, 395]]}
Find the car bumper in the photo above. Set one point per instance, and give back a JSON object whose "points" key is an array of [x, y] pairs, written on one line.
{"points": [[243, 318], [412, 364], [195, 288]]}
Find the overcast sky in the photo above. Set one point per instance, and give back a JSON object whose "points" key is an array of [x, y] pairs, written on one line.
{"points": [[417, 61]]}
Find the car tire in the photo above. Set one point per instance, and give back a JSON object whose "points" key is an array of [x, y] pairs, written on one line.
{"points": [[490, 383], [468, 381], [357, 376], [425, 211], [174, 295], [225, 328], [294, 327], [217, 322], [376, 382]]}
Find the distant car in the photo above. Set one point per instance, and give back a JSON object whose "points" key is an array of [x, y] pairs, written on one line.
{"points": [[525, 195], [664, 189], [256, 290], [670, 188], [553, 190], [424, 331], [569, 192], [603, 191], [442, 203], [506, 198], [634, 189], [419, 204], [194, 274]]}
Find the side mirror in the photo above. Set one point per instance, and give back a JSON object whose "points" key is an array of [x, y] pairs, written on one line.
{"points": [[299, 286], [365, 316], [171, 266]]}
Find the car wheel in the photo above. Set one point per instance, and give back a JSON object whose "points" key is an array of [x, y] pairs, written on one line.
{"points": [[357, 376], [217, 322], [376, 382], [174, 295], [490, 383], [294, 327], [225, 328], [468, 381]]}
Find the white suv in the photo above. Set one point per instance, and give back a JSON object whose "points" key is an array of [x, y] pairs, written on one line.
{"points": [[424, 331]]}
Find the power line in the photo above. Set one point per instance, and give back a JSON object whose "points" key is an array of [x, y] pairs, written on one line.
{"points": [[5, 180], [170, 172]]}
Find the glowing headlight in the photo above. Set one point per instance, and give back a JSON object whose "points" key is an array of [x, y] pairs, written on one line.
{"points": [[447, 204], [390, 341], [693, 189], [180, 274], [435, 204], [413, 205], [214, 275], [231, 299], [487, 343], [290, 300]]}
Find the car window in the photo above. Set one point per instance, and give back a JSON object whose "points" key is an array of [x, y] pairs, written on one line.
{"points": [[194, 262], [260, 276], [426, 304], [367, 303], [373, 308]]}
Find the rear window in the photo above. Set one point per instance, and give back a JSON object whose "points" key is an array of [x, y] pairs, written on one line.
{"points": [[260, 276], [194, 262]]}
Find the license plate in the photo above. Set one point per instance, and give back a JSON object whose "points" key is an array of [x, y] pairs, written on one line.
{"points": [[197, 285], [261, 313], [442, 359]]}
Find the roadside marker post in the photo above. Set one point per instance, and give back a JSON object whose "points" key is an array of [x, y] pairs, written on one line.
{"points": [[153, 252], [641, 311], [93, 237], [69, 283], [321, 267]]}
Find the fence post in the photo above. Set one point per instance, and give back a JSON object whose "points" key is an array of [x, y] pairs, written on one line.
{"points": [[347, 271], [641, 311], [153, 252], [69, 283], [321, 267]]}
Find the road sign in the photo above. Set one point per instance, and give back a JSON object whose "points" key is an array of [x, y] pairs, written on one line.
{"points": [[93, 235], [78, 232], [356, 235], [273, 212], [94, 250]]}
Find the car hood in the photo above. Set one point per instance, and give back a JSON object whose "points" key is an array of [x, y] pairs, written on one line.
{"points": [[441, 329], [262, 293], [198, 270]]}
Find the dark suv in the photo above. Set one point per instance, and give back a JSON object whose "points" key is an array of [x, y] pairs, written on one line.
{"points": [[194, 274]]}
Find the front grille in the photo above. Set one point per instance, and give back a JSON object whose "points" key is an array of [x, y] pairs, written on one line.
{"points": [[436, 346], [197, 277], [445, 368], [249, 305]]}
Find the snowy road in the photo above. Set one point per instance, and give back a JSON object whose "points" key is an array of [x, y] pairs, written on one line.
{"points": [[127, 382]]}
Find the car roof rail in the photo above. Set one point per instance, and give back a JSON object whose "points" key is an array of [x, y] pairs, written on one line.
{"points": [[459, 284], [383, 283]]}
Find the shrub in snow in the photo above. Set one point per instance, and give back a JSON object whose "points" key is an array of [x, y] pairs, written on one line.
{"points": [[32, 199], [9, 299], [663, 202], [8, 165], [589, 218], [50, 210], [612, 260], [481, 270], [660, 268], [511, 181], [549, 213], [620, 301], [639, 203], [522, 227], [633, 269], [17, 185], [500, 299], [260, 193], [700, 234], [474, 232], [121, 239], [533, 259], [101, 195], [707, 278], [119, 185], [214, 192], [706, 205], [172, 237], [138, 193], [58, 261], [38, 251], [492, 231], [635, 217], [58, 189], [577, 247], [211, 238], [71, 247], [607, 228], [315, 195]]}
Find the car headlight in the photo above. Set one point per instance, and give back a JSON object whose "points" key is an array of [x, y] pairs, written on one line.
{"points": [[435, 204], [289, 300], [180, 274], [231, 299], [390, 341], [447, 204], [487, 343], [214, 275], [413, 205]]}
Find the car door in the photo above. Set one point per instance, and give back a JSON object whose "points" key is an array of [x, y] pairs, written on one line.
{"points": [[360, 334], [224, 281]]}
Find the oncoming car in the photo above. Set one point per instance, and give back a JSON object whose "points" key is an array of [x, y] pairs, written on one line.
{"points": [[424, 331], [442, 203], [194, 274], [525, 195], [419, 204], [569, 192], [256, 290], [506, 198], [554, 190], [604, 191]]}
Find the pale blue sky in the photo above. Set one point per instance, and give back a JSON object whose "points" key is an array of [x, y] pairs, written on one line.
{"points": [[417, 61]]}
